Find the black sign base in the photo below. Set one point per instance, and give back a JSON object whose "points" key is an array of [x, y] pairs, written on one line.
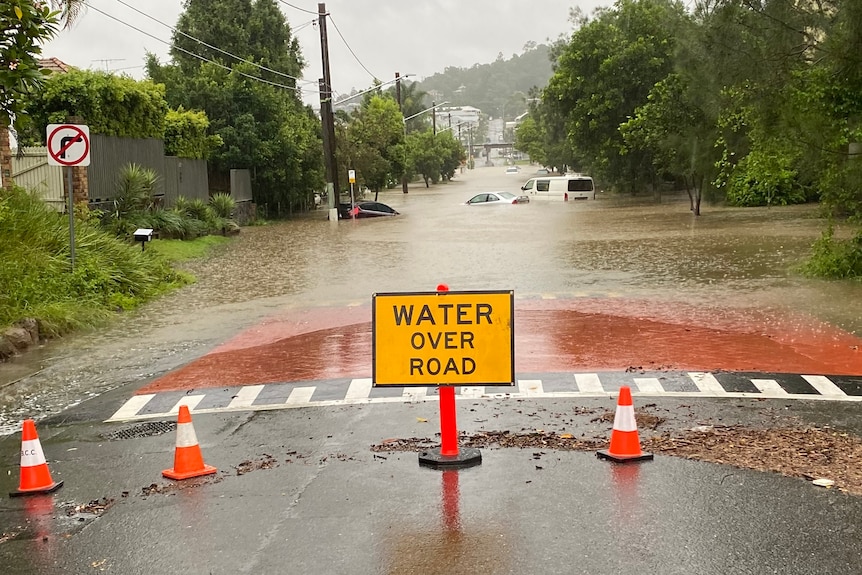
{"points": [[467, 457], [644, 456]]}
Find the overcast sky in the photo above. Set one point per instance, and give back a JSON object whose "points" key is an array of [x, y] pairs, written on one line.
{"points": [[367, 38]]}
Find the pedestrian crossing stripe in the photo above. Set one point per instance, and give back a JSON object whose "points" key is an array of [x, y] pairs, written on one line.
{"points": [[359, 391]]}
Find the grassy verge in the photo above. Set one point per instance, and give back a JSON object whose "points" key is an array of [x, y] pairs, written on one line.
{"points": [[110, 275], [180, 250]]}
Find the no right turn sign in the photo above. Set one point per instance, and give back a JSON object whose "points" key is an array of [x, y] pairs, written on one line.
{"points": [[68, 145]]}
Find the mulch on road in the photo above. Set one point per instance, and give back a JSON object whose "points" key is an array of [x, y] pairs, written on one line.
{"points": [[810, 453]]}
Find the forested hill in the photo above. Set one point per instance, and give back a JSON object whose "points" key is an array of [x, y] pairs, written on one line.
{"points": [[499, 88]]}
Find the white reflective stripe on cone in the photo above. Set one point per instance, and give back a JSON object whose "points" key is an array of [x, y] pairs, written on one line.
{"points": [[31, 453], [186, 435], [624, 420]]}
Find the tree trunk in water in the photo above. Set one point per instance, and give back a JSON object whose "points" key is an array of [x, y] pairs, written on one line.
{"points": [[698, 189], [688, 191]]}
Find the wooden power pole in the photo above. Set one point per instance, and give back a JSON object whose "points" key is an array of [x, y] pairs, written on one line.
{"points": [[326, 115]]}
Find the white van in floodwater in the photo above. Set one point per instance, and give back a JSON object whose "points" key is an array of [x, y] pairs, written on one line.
{"points": [[569, 187]]}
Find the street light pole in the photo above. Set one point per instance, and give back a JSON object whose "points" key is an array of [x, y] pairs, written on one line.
{"points": [[401, 109], [404, 121]]}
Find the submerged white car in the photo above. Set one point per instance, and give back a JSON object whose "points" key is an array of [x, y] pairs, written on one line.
{"points": [[497, 198]]}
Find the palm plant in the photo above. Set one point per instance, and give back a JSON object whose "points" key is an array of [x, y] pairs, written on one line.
{"points": [[69, 9], [223, 205], [135, 188]]}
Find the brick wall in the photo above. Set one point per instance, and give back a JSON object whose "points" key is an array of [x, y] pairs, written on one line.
{"points": [[5, 159], [80, 185]]}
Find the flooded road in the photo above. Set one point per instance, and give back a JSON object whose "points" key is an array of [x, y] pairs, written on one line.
{"points": [[729, 269]]}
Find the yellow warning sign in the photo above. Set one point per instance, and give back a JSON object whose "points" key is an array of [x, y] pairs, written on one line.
{"points": [[443, 338]]}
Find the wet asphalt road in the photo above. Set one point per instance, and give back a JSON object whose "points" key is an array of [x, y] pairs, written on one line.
{"points": [[317, 499]]}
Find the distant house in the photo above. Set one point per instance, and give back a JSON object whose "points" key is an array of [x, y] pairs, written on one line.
{"points": [[517, 122], [54, 65], [464, 115]]}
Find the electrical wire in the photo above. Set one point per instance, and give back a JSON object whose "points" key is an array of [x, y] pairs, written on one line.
{"points": [[351, 49], [205, 44], [298, 8], [219, 64]]}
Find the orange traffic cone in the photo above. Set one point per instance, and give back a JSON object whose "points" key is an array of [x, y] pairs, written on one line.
{"points": [[625, 445], [188, 461], [35, 476]]}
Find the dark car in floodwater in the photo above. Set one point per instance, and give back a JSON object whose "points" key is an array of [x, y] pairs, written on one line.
{"points": [[365, 209]]}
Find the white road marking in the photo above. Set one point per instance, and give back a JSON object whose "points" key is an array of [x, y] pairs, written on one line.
{"points": [[649, 385], [530, 387], [300, 395], [359, 389], [589, 383], [769, 387], [133, 406], [245, 396], [190, 401], [414, 393], [707, 383], [824, 385]]}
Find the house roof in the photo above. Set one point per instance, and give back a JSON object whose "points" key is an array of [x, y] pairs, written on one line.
{"points": [[54, 64]]}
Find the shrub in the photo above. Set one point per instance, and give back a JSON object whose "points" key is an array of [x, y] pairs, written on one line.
{"points": [[764, 179], [835, 259], [135, 187], [223, 205], [199, 210], [135, 208], [37, 280]]}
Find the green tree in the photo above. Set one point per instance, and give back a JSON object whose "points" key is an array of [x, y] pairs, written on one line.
{"points": [[434, 156], [110, 105], [371, 143], [25, 27], [768, 47], [249, 29], [678, 134], [252, 105], [424, 157], [604, 73], [529, 139], [451, 152], [186, 135], [70, 10], [496, 88], [412, 103]]}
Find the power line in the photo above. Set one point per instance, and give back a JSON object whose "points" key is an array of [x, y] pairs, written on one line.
{"points": [[298, 8], [219, 64], [205, 44], [349, 48], [303, 26]]}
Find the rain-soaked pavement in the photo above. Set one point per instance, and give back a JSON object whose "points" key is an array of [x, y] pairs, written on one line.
{"points": [[606, 287]]}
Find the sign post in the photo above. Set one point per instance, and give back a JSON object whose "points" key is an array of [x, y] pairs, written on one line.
{"points": [[351, 174], [444, 338], [68, 146]]}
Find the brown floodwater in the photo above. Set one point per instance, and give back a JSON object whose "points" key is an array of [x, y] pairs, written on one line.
{"points": [[617, 259]]}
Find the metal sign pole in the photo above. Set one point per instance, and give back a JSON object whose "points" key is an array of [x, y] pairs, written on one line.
{"points": [[71, 210], [351, 175], [68, 146]]}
